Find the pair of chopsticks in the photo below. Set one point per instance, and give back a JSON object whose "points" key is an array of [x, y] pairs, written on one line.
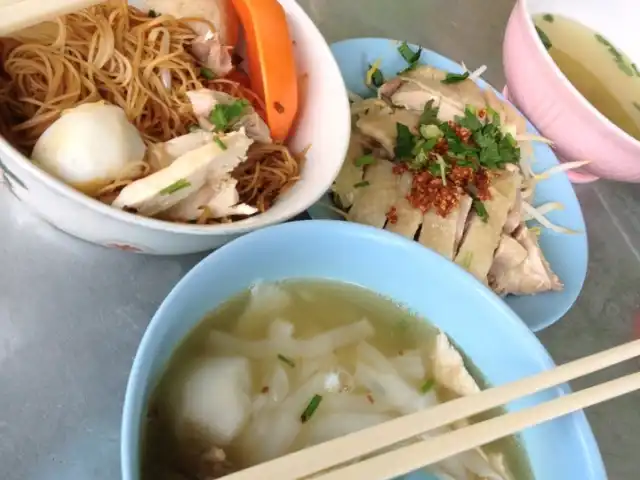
{"points": [[315, 461], [18, 14]]}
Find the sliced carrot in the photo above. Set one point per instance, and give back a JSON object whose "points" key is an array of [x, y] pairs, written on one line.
{"points": [[271, 62]]}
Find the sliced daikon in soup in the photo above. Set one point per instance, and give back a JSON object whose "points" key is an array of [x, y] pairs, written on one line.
{"points": [[284, 366]]}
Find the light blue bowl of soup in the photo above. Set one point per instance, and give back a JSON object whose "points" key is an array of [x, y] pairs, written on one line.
{"points": [[400, 274]]}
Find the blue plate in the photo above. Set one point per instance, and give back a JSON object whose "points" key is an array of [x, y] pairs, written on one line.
{"points": [[567, 254], [492, 336]]}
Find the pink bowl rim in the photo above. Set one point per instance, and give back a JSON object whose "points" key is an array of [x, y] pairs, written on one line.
{"points": [[612, 127]]}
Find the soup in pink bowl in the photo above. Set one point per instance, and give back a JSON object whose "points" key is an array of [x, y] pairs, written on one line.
{"points": [[571, 67]]}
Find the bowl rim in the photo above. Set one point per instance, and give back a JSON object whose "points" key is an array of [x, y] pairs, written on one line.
{"points": [[241, 226], [523, 7], [138, 373]]}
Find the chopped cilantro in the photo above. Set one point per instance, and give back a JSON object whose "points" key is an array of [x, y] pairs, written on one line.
{"points": [[544, 38], [207, 73], [153, 14], [361, 184], [480, 210], [223, 116], [364, 160], [547, 17], [405, 141], [455, 78], [427, 386], [470, 120], [311, 408], [429, 114], [220, 143], [175, 186], [286, 360], [411, 57]]}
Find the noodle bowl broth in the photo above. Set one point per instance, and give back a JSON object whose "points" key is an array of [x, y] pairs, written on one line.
{"points": [[284, 366], [105, 61]]}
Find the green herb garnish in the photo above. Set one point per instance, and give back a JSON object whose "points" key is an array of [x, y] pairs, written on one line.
{"points": [[364, 160], [311, 408], [220, 143], [635, 69], [224, 116], [377, 78], [175, 186], [480, 210], [207, 73], [286, 360], [544, 38], [411, 57], [361, 184], [455, 78], [405, 141], [153, 14], [427, 385], [429, 114], [466, 261], [547, 17]]}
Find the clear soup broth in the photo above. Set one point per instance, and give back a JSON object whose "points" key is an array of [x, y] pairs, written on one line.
{"points": [[600, 71], [284, 366]]}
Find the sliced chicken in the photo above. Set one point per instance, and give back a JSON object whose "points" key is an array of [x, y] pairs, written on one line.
{"points": [[185, 176], [345, 187], [220, 197], [510, 254], [381, 126], [209, 50], [408, 218], [203, 102], [443, 234], [161, 155], [515, 214], [449, 370], [532, 275], [463, 216], [483, 235], [374, 200]]}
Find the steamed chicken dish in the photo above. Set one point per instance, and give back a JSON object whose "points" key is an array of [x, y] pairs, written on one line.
{"points": [[286, 366], [435, 158], [151, 111]]}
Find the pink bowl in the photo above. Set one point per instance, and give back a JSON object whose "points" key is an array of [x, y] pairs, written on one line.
{"points": [[540, 90]]}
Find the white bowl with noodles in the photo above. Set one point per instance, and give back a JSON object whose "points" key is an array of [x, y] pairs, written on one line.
{"points": [[323, 123]]}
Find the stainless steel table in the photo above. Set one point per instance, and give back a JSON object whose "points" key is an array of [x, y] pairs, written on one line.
{"points": [[72, 314]]}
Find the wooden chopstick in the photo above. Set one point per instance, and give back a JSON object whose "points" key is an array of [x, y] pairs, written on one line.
{"points": [[413, 457], [18, 14], [325, 455]]}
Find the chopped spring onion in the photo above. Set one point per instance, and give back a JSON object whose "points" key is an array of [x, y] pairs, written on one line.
{"points": [[480, 209], [207, 73], [443, 169], [563, 167], [311, 408], [286, 360], [427, 385], [364, 160], [430, 131], [454, 78], [374, 77], [225, 115], [175, 186], [364, 183], [542, 220], [544, 209], [220, 143]]}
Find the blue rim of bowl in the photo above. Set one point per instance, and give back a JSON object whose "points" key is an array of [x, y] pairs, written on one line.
{"points": [[135, 385]]}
